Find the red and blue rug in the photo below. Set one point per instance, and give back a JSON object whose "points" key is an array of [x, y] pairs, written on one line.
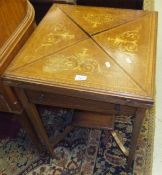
{"points": [[82, 152]]}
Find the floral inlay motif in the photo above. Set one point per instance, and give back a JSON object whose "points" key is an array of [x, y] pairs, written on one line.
{"points": [[98, 19], [80, 62], [127, 41], [59, 33]]}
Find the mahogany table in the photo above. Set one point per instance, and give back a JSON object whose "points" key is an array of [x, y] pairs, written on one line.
{"points": [[92, 59]]}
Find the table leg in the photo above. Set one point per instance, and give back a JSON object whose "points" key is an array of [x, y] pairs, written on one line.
{"points": [[140, 114], [119, 143], [35, 119], [27, 126]]}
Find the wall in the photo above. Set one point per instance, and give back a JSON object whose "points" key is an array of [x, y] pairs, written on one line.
{"points": [[157, 156]]}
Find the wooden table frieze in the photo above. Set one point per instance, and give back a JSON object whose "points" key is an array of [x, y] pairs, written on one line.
{"points": [[100, 61]]}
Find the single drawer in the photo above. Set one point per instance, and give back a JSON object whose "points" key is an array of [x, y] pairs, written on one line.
{"points": [[93, 120], [64, 101]]}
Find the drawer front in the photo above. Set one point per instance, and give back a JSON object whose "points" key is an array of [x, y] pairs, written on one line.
{"points": [[58, 100], [93, 120]]}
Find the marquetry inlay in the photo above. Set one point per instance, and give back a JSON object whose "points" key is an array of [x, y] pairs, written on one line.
{"points": [[60, 34], [127, 41], [100, 49], [81, 62], [90, 59], [98, 19], [94, 20], [55, 35]]}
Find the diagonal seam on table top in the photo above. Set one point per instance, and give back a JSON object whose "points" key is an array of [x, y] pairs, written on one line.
{"points": [[91, 36], [65, 46], [43, 57], [93, 41], [151, 20], [117, 25], [10, 68], [70, 46], [97, 47]]}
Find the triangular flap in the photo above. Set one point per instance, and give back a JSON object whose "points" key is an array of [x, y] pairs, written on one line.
{"points": [[82, 65], [94, 19], [131, 45], [55, 32]]}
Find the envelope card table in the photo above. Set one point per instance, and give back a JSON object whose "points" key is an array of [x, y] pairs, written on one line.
{"points": [[100, 61]]}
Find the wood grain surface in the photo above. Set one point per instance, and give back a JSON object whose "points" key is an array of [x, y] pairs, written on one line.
{"points": [[103, 51], [91, 59]]}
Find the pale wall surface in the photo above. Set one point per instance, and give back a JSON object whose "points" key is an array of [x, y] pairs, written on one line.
{"points": [[157, 156]]}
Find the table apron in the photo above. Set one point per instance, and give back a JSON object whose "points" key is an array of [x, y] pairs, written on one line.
{"points": [[64, 101]]}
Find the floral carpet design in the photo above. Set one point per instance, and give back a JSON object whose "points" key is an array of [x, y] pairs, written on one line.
{"points": [[82, 152]]}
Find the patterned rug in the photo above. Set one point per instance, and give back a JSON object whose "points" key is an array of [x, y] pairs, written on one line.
{"points": [[82, 152], [5, 121]]}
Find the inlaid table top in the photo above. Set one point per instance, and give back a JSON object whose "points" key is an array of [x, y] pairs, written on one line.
{"points": [[100, 51]]}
